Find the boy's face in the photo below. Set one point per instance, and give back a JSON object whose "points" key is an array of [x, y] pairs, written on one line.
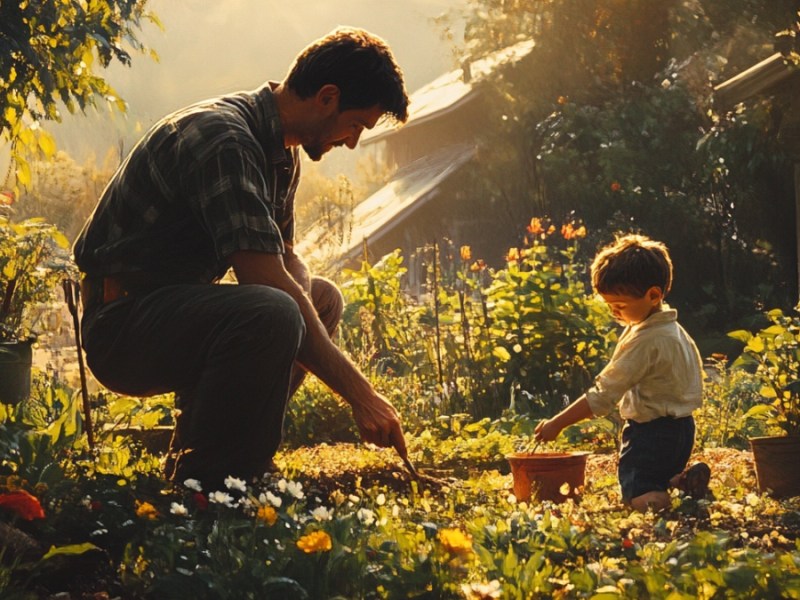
{"points": [[630, 310]]}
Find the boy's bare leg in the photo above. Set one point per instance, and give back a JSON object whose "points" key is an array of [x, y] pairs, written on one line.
{"points": [[651, 500]]}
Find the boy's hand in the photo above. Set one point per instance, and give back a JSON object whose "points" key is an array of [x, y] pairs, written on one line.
{"points": [[546, 431]]}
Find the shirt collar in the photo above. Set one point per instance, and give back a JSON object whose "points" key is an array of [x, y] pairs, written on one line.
{"points": [[270, 128], [665, 315]]}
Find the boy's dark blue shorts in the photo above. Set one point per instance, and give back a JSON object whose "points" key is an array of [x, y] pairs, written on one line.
{"points": [[652, 453]]}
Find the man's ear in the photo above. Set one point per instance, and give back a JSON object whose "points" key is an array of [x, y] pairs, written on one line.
{"points": [[328, 97]]}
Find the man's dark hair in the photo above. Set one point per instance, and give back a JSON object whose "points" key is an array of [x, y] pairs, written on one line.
{"points": [[631, 266], [360, 64]]}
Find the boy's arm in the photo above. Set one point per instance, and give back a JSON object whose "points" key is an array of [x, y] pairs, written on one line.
{"points": [[547, 431]]}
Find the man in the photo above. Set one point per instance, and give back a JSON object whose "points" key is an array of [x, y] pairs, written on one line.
{"points": [[211, 187]]}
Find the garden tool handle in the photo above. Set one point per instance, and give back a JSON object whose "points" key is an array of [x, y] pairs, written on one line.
{"points": [[410, 466]]}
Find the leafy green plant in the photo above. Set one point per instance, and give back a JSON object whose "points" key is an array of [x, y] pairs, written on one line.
{"points": [[773, 355], [32, 263]]}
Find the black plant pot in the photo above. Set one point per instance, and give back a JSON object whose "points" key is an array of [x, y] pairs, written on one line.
{"points": [[15, 370]]}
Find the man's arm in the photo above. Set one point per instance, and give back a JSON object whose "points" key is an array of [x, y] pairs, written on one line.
{"points": [[375, 416]]}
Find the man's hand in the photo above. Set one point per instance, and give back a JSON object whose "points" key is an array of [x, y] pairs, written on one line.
{"points": [[379, 423], [546, 431]]}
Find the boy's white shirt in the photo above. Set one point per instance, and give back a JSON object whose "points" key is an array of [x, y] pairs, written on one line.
{"points": [[656, 370]]}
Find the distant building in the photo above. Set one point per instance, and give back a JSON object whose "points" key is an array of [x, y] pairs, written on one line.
{"points": [[775, 75], [421, 203]]}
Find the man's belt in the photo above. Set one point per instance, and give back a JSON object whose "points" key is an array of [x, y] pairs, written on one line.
{"points": [[102, 290]]}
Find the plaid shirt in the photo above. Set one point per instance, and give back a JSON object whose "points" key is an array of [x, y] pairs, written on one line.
{"points": [[204, 182]]}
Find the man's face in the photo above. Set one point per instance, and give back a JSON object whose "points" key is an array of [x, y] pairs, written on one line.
{"points": [[340, 129]]}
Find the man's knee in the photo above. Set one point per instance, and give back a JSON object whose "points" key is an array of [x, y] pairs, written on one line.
{"points": [[328, 302]]}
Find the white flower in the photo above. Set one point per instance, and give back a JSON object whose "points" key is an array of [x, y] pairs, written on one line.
{"points": [[193, 484], [271, 499], [366, 516], [178, 509], [353, 498], [666, 83], [183, 571], [395, 511], [295, 489], [87, 501], [282, 485], [482, 590], [220, 498], [381, 499], [232, 483], [321, 513], [97, 532]]}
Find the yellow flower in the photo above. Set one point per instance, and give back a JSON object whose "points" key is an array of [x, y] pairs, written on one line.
{"points": [[513, 255], [456, 541], [267, 514], [316, 541], [145, 510], [466, 253]]}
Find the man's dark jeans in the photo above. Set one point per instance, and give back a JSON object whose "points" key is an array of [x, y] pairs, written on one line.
{"points": [[228, 351]]}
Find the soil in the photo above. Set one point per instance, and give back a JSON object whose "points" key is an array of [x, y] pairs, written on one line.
{"points": [[730, 506]]}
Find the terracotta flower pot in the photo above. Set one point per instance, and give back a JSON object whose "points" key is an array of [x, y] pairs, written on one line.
{"points": [[548, 475], [776, 460], [15, 371]]}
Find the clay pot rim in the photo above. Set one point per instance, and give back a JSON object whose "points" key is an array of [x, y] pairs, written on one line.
{"points": [[546, 455]]}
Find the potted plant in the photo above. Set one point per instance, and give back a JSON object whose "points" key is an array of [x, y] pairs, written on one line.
{"points": [[773, 355], [33, 260], [548, 475]]}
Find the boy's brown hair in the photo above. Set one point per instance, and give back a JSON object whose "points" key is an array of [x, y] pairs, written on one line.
{"points": [[632, 265]]}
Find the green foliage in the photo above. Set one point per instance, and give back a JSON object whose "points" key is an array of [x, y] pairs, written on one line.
{"points": [[32, 264], [773, 355], [611, 118], [51, 51], [315, 415], [482, 337], [728, 396]]}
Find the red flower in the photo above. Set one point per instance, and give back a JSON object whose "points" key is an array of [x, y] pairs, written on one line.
{"points": [[24, 504], [627, 543], [615, 187], [96, 505], [200, 500]]}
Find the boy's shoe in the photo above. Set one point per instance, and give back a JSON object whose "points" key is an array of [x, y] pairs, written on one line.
{"points": [[694, 481]]}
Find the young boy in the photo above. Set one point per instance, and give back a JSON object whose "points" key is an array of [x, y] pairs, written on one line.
{"points": [[655, 374]]}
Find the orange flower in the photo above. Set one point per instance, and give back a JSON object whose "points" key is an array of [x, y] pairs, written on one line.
{"points": [[466, 253], [562, 100], [26, 505], [570, 232], [267, 514], [478, 265], [615, 186], [535, 227], [145, 510], [6, 198], [456, 541], [316, 541]]}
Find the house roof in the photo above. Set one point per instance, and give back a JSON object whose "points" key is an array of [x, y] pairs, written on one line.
{"points": [[449, 91], [412, 187], [755, 80]]}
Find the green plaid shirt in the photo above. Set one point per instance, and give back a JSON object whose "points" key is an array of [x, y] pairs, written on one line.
{"points": [[204, 182]]}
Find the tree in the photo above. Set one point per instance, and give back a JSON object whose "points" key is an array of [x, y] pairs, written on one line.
{"points": [[50, 53], [612, 121]]}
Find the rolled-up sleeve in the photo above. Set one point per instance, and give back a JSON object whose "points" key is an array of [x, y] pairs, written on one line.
{"points": [[622, 374]]}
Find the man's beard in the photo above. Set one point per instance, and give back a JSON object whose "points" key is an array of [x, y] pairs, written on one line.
{"points": [[314, 151]]}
